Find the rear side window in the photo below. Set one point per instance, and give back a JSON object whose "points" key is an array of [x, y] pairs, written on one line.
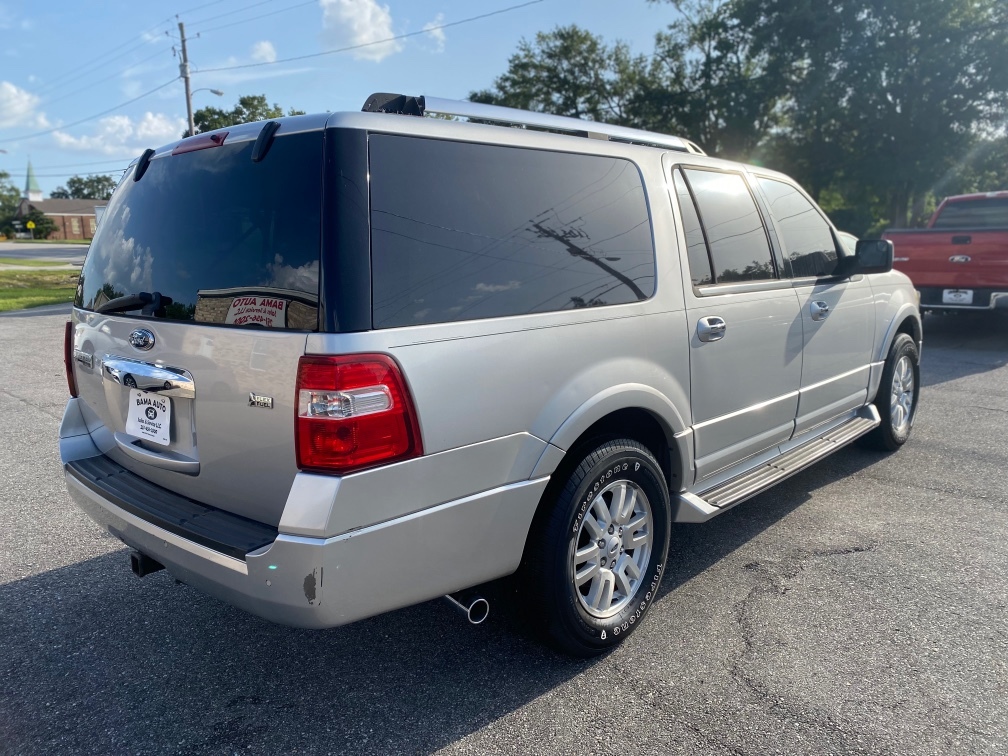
{"points": [[986, 212], [209, 236], [463, 231], [696, 245], [808, 240], [738, 242]]}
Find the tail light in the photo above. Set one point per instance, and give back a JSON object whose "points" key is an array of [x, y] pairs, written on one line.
{"points": [[353, 412], [68, 347]]}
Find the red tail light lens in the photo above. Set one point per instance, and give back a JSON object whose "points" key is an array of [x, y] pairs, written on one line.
{"points": [[68, 347], [353, 412]]}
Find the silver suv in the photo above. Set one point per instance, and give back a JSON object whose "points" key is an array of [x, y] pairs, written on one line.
{"points": [[331, 365]]}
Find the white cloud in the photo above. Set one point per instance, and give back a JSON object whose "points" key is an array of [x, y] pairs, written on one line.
{"points": [[264, 52], [125, 137], [360, 22], [18, 107], [435, 34]]}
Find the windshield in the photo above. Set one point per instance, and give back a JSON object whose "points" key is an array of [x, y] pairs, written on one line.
{"points": [[209, 236]]}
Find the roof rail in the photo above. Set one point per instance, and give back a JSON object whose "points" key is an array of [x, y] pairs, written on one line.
{"points": [[406, 105]]}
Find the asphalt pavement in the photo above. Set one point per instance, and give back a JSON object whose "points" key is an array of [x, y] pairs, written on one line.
{"points": [[859, 607]]}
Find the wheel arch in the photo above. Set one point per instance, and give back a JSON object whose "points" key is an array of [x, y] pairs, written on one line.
{"points": [[908, 321], [633, 411]]}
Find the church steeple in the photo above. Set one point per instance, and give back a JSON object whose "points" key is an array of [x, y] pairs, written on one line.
{"points": [[32, 191]]}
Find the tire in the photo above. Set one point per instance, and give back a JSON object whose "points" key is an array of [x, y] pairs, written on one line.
{"points": [[617, 486], [897, 396]]}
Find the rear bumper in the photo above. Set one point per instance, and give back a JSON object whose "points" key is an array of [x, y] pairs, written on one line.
{"points": [[324, 582], [983, 298]]}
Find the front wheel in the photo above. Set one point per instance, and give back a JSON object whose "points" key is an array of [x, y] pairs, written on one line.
{"points": [[596, 559], [897, 395]]}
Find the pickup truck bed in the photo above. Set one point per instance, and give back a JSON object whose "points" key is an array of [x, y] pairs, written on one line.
{"points": [[957, 267]]}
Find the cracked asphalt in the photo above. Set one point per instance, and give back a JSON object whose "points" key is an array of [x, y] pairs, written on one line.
{"points": [[859, 607]]}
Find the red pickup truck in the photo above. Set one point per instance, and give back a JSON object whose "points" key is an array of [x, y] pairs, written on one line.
{"points": [[960, 261]]}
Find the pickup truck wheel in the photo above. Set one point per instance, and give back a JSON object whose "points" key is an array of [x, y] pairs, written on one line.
{"points": [[597, 558], [897, 395]]}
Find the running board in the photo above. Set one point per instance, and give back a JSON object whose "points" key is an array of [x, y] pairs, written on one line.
{"points": [[700, 507]]}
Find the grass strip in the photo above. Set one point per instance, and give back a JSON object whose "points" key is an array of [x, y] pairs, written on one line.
{"points": [[29, 263], [20, 289]]}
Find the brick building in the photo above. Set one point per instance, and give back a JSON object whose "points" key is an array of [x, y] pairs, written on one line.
{"points": [[74, 218]]}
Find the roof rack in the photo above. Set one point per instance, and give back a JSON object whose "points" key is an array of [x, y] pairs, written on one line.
{"points": [[383, 102]]}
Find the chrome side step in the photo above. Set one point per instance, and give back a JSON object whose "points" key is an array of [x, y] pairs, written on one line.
{"points": [[700, 507]]}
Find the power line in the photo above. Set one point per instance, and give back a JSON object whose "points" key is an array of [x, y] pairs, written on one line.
{"points": [[256, 18], [75, 165], [230, 13], [92, 117], [62, 175], [376, 42], [95, 83], [59, 80]]}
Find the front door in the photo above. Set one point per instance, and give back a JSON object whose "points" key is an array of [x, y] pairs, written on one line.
{"points": [[837, 313]]}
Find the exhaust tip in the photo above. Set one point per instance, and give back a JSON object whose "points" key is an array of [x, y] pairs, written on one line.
{"points": [[142, 565], [475, 608], [479, 610]]}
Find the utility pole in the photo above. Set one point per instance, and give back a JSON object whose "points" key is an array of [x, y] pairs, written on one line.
{"points": [[184, 71]]}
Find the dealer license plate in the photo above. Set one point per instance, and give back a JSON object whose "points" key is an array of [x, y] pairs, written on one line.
{"points": [[149, 417], [957, 296]]}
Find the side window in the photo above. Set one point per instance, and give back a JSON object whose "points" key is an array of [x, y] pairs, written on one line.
{"points": [[463, 231], [696, 245], [808, 241], [739, 248]]}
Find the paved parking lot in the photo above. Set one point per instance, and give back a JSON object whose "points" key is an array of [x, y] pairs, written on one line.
{"points": [[860, 607]]}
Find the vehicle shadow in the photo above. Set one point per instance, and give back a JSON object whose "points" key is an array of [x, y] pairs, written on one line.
{"points": [[959, 344], [96, 660]]}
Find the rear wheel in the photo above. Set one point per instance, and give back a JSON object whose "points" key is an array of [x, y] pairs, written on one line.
{"points": [[597, 557], [897, 395]]}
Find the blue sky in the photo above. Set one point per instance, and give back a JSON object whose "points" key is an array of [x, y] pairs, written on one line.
{"points": [[65, 62]]}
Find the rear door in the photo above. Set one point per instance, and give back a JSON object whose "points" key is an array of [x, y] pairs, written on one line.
{"points": [[191, 313], [838, 315], [745, 327]]}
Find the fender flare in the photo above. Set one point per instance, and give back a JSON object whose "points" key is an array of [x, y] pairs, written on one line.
{"points": [[613, 399]]}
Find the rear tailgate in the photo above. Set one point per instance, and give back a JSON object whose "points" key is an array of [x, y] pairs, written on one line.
{"points": [[193, 308], [953, 259]]}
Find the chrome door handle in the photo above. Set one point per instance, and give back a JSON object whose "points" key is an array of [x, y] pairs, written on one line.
{"points": [[711, 328], [819, 310]]}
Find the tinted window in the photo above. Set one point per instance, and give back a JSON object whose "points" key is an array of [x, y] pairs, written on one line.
{"points": [[738, 242], [226, 240], [987, 212], [808, 241], [462, 231], [696, 245]]}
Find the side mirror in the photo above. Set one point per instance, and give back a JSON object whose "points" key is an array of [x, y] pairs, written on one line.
{"points": [[872, 256]]}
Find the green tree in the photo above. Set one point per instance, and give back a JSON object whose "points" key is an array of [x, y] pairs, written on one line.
{"points": [[249, 108], [883, 97], [706, 82], [43, 225], [96, 187], [59, 192], [569, 72], [10, 196]]}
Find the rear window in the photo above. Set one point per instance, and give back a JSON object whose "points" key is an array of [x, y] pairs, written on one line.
{"points": [[211, 237], [988, 212], [463, 231]]}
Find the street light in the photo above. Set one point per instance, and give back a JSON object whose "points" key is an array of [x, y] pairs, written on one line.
{"points": [[217, 92]]}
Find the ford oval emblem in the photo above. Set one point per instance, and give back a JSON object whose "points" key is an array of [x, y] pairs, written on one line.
{"points": [[960, 259], [142, 339]]}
